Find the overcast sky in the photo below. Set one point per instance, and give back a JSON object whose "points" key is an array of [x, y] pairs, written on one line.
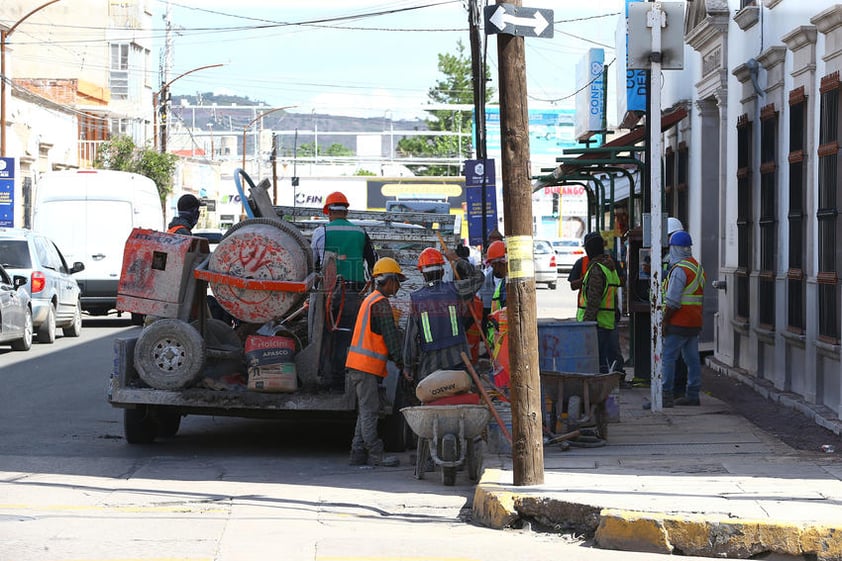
{"points": [[362, 58]]}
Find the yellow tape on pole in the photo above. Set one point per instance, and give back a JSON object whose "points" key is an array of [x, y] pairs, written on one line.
{"points": [[519, 254]]}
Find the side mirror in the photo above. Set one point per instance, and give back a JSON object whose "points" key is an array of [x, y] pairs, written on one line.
{"points": [[19, 281], [77, 266]]}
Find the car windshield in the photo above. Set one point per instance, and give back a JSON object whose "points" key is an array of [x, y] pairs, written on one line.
{"points": [[566, 243], [14, 254], [543, 247]]}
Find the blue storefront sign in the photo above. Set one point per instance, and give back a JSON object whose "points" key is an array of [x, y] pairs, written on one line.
{"points": [[7, 192], [479, 178]]}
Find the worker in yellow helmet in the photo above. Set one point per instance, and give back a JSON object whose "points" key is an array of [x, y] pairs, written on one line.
{"points": [[375, 342]]}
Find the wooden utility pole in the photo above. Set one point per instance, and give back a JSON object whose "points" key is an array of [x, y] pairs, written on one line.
{"points": [[527, 434]]}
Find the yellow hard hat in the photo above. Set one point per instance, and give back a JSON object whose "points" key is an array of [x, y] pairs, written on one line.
{"points": [[387, 266]]}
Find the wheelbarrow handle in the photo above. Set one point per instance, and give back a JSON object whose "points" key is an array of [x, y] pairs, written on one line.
{"points": [[485, 397]]}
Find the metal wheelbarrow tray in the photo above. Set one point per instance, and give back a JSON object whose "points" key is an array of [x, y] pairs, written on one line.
{"points": [[591, 391], [449, 434]]}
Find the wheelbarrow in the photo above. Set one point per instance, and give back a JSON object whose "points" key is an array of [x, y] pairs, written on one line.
{"points": [[586, 395], [450, 435]]}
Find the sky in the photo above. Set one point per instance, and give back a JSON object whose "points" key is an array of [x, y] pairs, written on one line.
{"points": [[363, 58]]}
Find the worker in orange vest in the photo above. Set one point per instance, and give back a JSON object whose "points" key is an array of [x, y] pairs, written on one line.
{"points": [[375, 341]]}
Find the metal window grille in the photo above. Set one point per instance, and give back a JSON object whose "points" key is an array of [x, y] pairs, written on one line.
{"points": [[744, 225], [767, 221], [796, 286], [827, 212]]}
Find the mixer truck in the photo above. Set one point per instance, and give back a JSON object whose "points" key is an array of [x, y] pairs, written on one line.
{"points": [[270, 362]]}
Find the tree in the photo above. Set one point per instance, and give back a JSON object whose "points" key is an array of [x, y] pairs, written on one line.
{"points": [[121, 153], [456, 87]]}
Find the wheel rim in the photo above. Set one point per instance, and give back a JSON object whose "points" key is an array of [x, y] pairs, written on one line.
{"points": [[28, 331], [169, 354]]}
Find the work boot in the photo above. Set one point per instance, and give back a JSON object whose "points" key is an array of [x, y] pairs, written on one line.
{"points": [[687, 401], [358, 458], [666, 402], [376, 457]]}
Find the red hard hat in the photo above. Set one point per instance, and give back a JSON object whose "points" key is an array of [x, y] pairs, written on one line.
{"points": [[496, 252], [335, 198], [430, 260]]}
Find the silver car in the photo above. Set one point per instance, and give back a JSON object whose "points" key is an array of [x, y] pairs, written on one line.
{"points": [[54, 293], [15, 312], [546, 270]]}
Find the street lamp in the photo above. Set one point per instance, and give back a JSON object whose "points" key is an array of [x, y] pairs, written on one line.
{"points": [[5, 34], [246, 128], [163, 96]]}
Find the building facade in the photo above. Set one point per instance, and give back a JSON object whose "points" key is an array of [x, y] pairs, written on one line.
{"points": [[757, 181]]}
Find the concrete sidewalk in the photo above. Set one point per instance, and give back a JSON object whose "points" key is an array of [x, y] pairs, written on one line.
{"points": [[697, 481]]}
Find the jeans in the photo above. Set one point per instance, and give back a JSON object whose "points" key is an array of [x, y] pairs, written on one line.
{"points": [[608, 344], [688, 348]]}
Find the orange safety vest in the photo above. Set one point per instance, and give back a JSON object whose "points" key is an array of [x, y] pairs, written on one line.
{"points": [[368, 351], [473, 332], [690, 312], [175, 229]]}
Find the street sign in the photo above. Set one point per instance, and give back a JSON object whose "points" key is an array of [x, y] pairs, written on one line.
{"points": [[7, 192], [518, 20]]}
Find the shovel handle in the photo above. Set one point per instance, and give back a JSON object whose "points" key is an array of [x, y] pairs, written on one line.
{"points": [[485, 397]]}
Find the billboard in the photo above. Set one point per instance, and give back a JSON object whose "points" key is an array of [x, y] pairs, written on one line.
{"points": [[7, 192], [550, 131]]}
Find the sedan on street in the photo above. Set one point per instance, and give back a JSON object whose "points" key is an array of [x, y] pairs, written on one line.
{"points": [[568, 251], [545, 263]]}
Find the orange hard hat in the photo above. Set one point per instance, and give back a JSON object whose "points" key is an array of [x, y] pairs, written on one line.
{"points": [[335, 199], [430, 259], [496, 252]]}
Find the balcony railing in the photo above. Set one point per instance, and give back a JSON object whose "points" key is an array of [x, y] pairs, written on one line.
{"points": [[87, 152]]}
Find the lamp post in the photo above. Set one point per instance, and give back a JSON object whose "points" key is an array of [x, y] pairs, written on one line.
{"points": [[162, 98], [246, 128], [4, 35]]}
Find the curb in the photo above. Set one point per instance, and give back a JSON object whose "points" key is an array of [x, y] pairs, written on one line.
{"points": [[498, 507]]}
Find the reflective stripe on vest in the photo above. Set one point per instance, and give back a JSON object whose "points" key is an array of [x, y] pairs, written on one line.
{"points": [[368, 351], [497, 298], [690, 312], [606, 316]]}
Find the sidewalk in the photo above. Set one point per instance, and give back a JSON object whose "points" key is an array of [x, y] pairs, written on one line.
{"points": [[697, 481]]}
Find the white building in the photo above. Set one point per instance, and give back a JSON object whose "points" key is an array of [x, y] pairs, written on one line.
{"points": [[763, 186]]}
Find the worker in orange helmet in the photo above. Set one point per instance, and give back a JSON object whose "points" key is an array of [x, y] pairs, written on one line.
{"points": [[439, 315], [497, 321], [355, 258]]}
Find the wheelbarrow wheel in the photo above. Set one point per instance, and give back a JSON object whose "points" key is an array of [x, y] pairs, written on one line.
{"points": [[169, 354], [449, 453]]}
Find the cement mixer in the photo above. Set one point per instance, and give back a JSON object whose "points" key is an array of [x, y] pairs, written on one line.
{"points": [[185, 361]]}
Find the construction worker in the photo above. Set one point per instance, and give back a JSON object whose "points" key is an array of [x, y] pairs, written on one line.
{"points": [[684, 290], [487, 290], [497, 324], [355, 256], [188, 215], [439, 315], [375, 341], [598, 302]]}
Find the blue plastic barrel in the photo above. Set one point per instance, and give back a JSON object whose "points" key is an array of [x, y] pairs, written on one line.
{"points": [[567, 346]]}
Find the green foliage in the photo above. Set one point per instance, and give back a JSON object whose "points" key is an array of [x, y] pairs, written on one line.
{"points": [[308, 150], [121, 153], [455, 87], [364, 172]]}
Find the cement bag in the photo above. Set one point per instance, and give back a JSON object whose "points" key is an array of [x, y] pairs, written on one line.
{"points": [[271, 364], [442, 383]]}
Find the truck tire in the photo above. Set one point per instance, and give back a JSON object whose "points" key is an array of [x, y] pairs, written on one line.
{"points": [[169, 354], [168, 422], [138, 425]]}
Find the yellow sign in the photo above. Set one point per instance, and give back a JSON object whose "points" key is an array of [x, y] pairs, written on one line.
{"points": [[519, 255]]}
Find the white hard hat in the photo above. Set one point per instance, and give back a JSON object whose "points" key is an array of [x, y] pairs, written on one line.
{"points": [[673, 225]]}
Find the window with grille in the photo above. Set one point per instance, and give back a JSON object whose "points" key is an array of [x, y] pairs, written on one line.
{"points": [[669, 181], [119, 76], [681, 188], [796, 287], [826, 214], [744, 200], [767, 221]]}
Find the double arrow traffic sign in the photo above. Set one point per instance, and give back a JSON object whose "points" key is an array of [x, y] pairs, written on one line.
{"points": [[517, 20]]}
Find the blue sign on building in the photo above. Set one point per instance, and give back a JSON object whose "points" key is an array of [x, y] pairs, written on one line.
{"points": [[479, 177], [7, 192]]}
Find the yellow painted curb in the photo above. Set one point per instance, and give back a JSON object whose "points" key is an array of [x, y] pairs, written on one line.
{"points": [[494, 505], [708, 537]]}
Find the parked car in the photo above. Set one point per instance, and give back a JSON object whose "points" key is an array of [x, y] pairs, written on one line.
{"points": [[54, 293], [15, 312], [568, 251], [546, 270]]}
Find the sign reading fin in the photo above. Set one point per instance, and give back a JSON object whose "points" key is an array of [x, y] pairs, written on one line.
{"points": [[517, 20]]}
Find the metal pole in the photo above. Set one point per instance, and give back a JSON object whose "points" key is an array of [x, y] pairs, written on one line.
{"points": [[656, 20]]}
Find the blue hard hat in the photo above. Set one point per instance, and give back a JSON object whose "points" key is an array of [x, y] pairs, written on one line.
{"points": [[681, 238]]}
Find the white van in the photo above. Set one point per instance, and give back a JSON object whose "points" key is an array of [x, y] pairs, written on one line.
{"points": [[89, 214]]}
